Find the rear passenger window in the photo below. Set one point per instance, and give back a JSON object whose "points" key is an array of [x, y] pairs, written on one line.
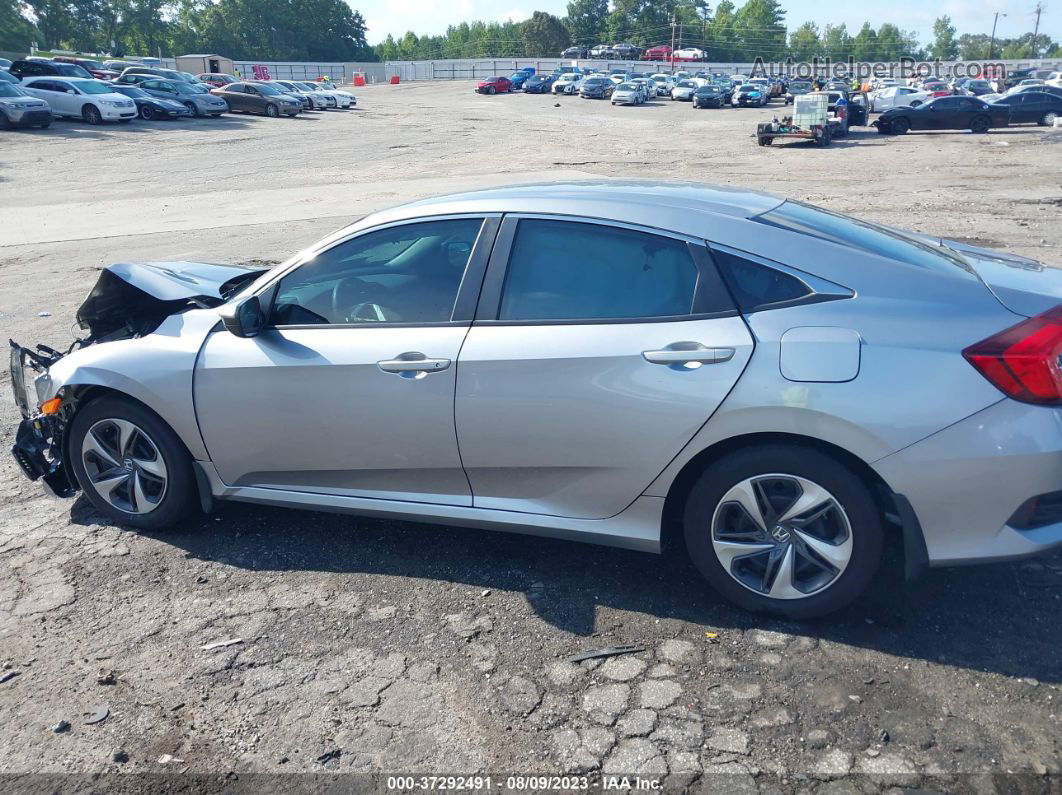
{"points": [[757, 286], [569, 270]]}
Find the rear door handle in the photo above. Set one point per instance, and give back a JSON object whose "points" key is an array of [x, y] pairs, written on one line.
{"points": [[413, 363], [687, 352]]}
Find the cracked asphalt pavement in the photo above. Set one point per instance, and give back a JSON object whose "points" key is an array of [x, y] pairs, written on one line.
{"points": [[259, 641]]}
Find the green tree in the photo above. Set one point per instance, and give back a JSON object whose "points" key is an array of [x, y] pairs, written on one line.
{"points": [[836, 42], [892, 43], [804, 42], [865, 44], [1026, 46], [944, 46], [722, 38], [759, 26], [16, 32], [586, 21], [544, 34], [974, 46]]}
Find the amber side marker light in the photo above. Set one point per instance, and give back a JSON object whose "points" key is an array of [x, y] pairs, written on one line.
{"points": [[51, 406]]}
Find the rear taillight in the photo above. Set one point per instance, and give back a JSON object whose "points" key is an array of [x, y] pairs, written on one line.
{"points": [[1025, 361]]}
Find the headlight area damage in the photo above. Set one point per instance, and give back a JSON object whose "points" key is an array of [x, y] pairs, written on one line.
{"points": [[127, 301]]}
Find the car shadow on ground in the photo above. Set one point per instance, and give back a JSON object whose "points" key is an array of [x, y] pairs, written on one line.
{"points": [[1003, 618], [109, 130]]}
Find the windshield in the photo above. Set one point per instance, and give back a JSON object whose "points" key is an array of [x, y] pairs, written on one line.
{"points": [[627, 87], [131, 91], [91, 64], [707, 90], [800, 86], [854, 233], [93, 87], [686, 84], [11, 90], [185, 89], [71, 70], [269, 91], [595, 81]]}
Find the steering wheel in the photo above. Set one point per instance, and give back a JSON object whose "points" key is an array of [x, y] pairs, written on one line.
{"points": [[353, 301]]}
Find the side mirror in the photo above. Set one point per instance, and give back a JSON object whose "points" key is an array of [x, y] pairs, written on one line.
{"points": [[243, 318]]}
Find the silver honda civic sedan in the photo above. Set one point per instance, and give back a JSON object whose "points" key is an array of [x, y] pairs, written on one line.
{"points": [[771, 386]]}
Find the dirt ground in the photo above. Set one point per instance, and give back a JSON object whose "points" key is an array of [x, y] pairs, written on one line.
{"points": [[372, 646]]}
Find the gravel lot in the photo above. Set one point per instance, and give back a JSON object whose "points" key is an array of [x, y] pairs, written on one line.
{"points": [[373, 646]]}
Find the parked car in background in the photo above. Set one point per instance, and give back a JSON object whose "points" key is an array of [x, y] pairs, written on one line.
{"points": [[749, 95], [1054, 79], [5, 63], [7, 77], [664, 84], [661, 52], [82, 98], [19, 108], [199, 100], [602, 51], [683, 91], [158, 71], [897, 96], [311, 100], [795, 89], [94, 68], [38, 67], [575, 53], [944, 113], [336, 98], [627, 52], [1034, 87], [494, 85], [568, 83], [709, 96], [306, 102], [517, 80], [596, 87], [152, 107], [628, 93], [538, 84], [648, 87], [1032, 107], [689, 54], [977, 88], [214, 79], [258, 98], [117, 66]]}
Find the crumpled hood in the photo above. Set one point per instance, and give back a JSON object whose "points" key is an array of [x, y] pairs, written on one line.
{"points": [[137, 296]]}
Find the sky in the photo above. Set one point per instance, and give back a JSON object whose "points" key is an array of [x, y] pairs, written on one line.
{"points": [[968, 16]]}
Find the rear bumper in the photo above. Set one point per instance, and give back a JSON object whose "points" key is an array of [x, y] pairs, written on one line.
{"points": [[966, 483]]}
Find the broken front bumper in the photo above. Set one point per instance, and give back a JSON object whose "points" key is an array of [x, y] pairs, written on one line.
{"points": [[37, 449]]}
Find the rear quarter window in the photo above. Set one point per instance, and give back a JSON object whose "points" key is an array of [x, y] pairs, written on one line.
{"points": [[862, 235]]}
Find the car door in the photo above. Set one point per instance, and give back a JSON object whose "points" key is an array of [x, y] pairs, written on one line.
{"points": [[235, 96], [56, 94], [253, 99], [349, 389], [598, 351]]}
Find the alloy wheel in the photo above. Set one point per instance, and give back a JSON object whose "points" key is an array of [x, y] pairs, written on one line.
{"points": [[124, 465], [781, 536]]}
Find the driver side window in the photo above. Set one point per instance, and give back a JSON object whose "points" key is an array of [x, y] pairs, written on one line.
{"points": [[403, 274]]}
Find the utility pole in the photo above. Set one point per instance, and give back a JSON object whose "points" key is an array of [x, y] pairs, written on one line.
{"points": [[672, 41], [1038, 10], [992, 41]]}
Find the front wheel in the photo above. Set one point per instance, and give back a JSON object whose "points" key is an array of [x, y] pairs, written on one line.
{"points": [[490, 89], [784, 529], [91, 114], [980, 125], [192, 107], [272, 111], [130, 464], [147, 113], [899, 126]]}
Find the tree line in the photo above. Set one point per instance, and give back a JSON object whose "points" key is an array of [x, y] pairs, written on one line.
{"points": [[330, 30]]}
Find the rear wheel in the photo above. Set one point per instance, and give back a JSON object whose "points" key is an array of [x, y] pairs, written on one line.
{"points": [[784, 529], [1048, 119], [130, 464], [980, 124], [91, 114]]}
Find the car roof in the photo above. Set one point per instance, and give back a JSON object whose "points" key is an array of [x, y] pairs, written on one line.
{"points": [[685, 207], [64, 77]]}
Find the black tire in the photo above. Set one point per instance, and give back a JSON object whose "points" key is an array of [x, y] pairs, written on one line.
{"points": [[46, 125], [850, 492], [272, 111], [980, 124], [191, 106], [91, 114], [1048, 119], [179, 497], [491, 90], [899, 126], [147, 113]]}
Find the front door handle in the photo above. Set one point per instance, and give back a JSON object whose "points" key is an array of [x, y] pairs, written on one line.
{"points": [[680, 353], [413, 364]]}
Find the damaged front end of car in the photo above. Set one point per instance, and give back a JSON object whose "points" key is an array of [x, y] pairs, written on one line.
{"points": [[128, 301]]}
